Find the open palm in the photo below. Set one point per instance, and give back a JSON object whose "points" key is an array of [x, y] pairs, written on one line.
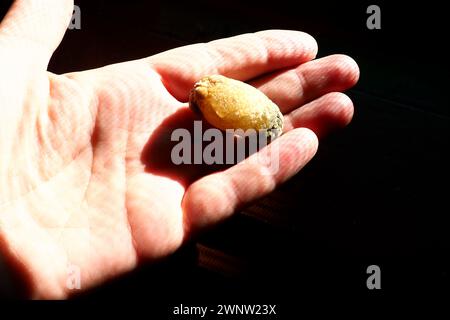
{"points": [[86, 179]]}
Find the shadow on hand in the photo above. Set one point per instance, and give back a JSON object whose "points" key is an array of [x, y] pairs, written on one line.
{"points": [[156, 155]]}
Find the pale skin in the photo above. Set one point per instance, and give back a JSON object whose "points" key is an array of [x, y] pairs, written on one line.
{"points": [[77, 187]]}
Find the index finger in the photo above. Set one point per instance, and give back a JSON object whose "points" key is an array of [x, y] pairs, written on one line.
{"points": [[241, 57]]}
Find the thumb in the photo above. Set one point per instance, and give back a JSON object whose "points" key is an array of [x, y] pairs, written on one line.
{"points": [[37, 27]]}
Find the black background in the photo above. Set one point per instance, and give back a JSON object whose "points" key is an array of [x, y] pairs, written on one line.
{"points": [[376, 193]]}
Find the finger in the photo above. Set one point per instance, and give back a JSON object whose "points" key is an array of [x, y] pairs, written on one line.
{"points": [[292, 88], [329, 112], [241, 57], [216, 196], [37, 26]]}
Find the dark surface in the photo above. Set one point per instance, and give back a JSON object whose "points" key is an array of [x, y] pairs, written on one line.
{"points": [[376, 193]]}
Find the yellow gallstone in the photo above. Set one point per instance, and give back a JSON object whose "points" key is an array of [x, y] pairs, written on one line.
{"points": [[231, 104]]}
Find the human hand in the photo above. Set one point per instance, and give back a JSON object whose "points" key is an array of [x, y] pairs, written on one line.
{"points": [[83, 176]]}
